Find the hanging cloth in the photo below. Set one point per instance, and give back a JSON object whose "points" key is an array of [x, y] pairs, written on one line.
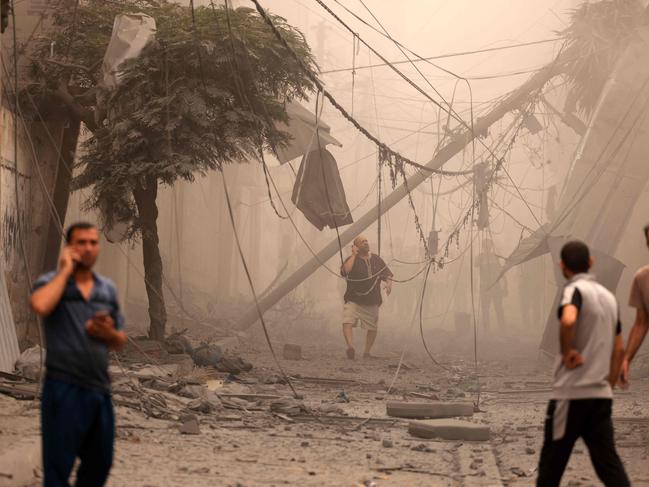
{"points": [[319, 193]]}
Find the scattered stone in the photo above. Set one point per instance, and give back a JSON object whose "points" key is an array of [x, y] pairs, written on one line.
{"points": [[29, 363], [530, 451], [304, 444], [422, 447], [178, 343], [233, 365], [288, 406], [192, 391], [519, 472], [435, 409], [189, 425], [342, 397], [449, 429], [206, 355], [387, 443], [292, 352], [331, 408]]}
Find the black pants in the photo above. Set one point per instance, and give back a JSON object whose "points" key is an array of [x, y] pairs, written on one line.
{"points": [[76, 422], [589, 419]]}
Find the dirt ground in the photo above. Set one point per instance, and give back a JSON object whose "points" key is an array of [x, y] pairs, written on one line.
{"points": [[338, 446]]}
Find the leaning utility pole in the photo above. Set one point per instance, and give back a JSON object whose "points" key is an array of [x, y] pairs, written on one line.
{"points": [[456, 143]]}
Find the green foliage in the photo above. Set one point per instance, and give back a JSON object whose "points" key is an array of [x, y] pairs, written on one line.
{"points": [[197, 98], [597, 35]]}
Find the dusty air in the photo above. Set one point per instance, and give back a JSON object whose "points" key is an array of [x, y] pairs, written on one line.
{"points": [[354, 243]]}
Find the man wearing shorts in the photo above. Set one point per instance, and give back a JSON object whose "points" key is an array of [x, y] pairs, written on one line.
{"points": [[365, 272]]}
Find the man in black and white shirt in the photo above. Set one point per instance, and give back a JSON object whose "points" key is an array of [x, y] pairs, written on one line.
{"points": [[585, 374]]}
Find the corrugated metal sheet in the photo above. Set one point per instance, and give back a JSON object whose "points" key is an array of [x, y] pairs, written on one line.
{"points": [[9, 350]]}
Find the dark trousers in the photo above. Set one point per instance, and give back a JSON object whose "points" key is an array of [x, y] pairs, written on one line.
{"points": [[76, 422], [589, 419]]}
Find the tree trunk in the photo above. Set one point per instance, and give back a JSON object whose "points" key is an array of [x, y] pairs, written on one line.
{"points": [[61, 192], [145, 198]]}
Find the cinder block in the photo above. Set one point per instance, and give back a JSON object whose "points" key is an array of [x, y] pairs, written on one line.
{"points": [[435, 409], [449, 429]]}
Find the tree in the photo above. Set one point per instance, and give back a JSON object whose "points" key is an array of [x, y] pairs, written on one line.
{"points": [[595, 38], [206, 93]]}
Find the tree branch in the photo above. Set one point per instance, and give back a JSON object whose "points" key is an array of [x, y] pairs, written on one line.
{"points": [[69, 65], [84, 114]]}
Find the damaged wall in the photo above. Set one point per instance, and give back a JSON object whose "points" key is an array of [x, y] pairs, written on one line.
{"points": [[37, 155]]}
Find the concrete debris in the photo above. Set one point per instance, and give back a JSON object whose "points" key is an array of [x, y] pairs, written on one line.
{"points": [[288, 406], [330, 408], [190, 425], [423, 448], [191, 391], [449, 429], [28, 364], [342, 397], [519, 472], [207, 404], [432, 397], [18, 390], [292, 352], [207, 355], [178, 343], [233, 364], [422, 410]]}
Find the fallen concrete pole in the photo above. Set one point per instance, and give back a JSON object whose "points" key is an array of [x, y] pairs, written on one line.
{"points": [[456, 143]]}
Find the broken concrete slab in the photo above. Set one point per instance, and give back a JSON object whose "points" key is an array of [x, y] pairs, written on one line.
{"points": [[449, 429], [292, 352], [423, 410]]}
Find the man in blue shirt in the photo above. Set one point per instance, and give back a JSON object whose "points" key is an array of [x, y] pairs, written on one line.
{"points": [[82, 322]]}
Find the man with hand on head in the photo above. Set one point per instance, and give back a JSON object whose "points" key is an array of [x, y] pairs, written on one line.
{"points": [[82, 322], [364, 272], [585, 374]]}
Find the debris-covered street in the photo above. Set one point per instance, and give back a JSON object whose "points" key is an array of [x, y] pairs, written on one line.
{"points": [[324, 243], [251, 432]]}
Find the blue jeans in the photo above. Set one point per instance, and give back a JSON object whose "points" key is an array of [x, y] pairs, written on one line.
{"points": [[76, 422]]}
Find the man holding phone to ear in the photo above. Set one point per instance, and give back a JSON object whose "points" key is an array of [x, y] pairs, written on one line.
{"points": [[365, 272], [82, 322]]}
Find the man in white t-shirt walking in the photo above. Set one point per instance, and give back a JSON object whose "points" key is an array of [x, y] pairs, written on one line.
{"points": [[585, 374]]}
